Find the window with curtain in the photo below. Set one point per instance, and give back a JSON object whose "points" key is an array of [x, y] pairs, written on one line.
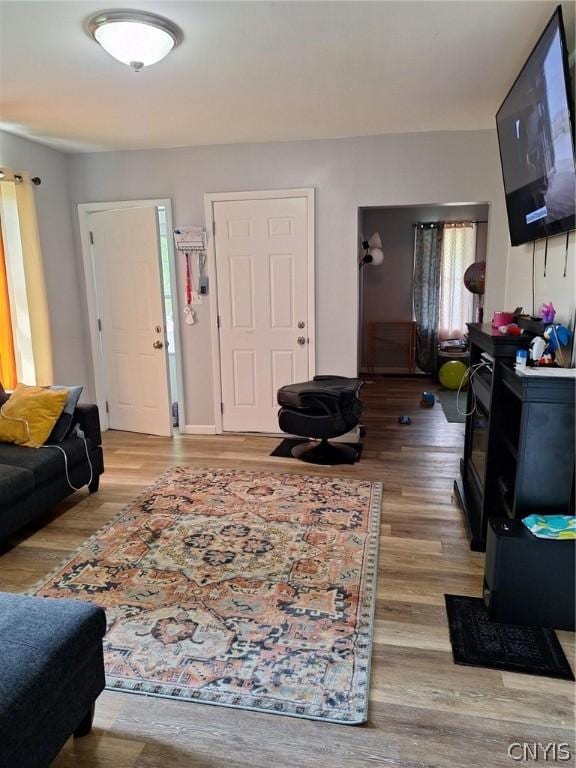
{"points": [[8, 374], [426, 291], [458, 252], [25, 340]]}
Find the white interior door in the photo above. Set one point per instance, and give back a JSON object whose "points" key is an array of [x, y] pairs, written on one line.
{"points": [[262, 270], [126, 257]]}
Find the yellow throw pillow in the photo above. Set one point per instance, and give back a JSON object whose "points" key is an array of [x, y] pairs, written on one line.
{"points": [[29, 415]]}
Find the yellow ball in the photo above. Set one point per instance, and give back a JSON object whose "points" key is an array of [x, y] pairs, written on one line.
{"points": [[452, 374]]}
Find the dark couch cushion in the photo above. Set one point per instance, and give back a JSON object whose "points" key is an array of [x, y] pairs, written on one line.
{"points": [[15, 482], [44, 643], [47, 631], [45, 463]]}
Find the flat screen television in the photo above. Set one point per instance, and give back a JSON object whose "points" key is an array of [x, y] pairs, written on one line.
{"points": [[536, 135]]}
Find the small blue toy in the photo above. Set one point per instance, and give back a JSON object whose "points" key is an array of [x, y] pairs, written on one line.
{"points": [[405, 420], [427, 400]]}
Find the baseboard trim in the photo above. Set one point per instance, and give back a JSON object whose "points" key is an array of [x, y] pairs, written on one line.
{"points": [[198, 429], [210, 429], [403, 372], [382, 370]]}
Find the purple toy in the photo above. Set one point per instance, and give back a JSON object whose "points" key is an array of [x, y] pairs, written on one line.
{"points": [[547, 313]]}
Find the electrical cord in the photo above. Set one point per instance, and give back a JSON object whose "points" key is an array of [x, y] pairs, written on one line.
{"points": [[76, 431], [558, 345], [80, 434], [473, 370], [19, 421]]}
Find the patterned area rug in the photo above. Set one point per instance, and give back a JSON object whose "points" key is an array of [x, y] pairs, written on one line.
{"points": [[239, 589]]}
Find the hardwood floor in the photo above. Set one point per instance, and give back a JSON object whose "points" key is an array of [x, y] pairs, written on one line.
{"points": [[424, 710]]}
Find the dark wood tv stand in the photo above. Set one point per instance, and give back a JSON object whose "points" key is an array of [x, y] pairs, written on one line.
{"points": [[519, 444]]}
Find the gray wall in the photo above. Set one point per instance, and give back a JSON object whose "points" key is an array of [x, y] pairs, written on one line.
{"points": [[552, 286], [385, 170], [392, 170], [387, 290], [60, 260]]}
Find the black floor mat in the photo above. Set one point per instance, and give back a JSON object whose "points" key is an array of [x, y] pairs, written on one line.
{"points": [[479, 642], [283, 449]]}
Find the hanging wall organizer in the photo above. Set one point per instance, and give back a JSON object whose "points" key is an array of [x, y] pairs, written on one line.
{"points": [[191, 243]]}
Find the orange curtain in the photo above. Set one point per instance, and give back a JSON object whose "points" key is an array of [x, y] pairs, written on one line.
{"points": [[8, 376]]}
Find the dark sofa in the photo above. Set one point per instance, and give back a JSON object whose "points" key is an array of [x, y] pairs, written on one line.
{"points": [[32, 480]]}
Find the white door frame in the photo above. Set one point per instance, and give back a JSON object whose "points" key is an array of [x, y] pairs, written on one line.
{"points": [[84, 211], [214, 197]]}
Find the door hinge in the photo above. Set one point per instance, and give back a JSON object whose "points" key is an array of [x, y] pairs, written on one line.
{"points": [[107, 407], [217, 321], [221, 407], [213, 227], [91, 238], [100, 325]]}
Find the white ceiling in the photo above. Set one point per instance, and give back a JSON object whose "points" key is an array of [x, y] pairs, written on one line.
{"points": [[265, 71]]}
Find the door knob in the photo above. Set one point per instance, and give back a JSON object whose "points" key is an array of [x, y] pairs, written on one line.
{"points": [[301, 340], [157, 345], [301, 324]]}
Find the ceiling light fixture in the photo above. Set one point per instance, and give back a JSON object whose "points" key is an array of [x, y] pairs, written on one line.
{"points": [[136, 38]]}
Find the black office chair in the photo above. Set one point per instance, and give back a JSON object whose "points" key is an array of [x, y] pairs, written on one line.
{"points": [[324, 408]]}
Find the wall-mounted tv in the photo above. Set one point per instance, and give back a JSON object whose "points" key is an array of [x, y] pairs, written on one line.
{"points": [[536, 135]]}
